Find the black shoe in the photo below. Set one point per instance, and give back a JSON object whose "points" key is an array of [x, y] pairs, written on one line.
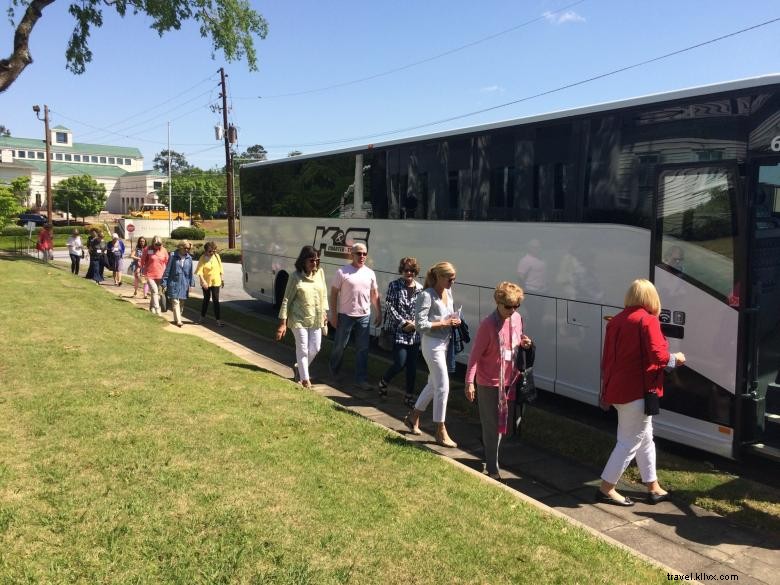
{"points": [[296, 374], [603, 498], [410, 400], [382, 388], [654, 499]]}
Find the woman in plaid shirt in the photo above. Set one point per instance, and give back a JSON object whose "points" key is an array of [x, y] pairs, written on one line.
{"points": [[399, 321]]}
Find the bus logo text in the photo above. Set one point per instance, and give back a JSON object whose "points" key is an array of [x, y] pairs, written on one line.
{"points": [[335, 242]]}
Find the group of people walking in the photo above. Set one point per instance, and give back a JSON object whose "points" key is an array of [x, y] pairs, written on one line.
{"points": [[163, 278], [422, 318]]}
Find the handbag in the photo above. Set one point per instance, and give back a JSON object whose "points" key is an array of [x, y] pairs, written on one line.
{"points": [[163, 299], [652, 400]]}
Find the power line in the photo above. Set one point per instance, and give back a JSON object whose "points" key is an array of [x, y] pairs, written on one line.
{"points": [[154, 107], [414, 63], [534, 96]]}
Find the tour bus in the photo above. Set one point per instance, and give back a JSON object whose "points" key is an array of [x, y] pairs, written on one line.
{"points": [[682, 188]]}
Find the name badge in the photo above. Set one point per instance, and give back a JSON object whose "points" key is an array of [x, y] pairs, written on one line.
{"points": [[507, 355]]}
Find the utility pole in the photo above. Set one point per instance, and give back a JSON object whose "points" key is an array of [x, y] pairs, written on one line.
{"points": [[231, 207], [170, 198], [49, 204]]}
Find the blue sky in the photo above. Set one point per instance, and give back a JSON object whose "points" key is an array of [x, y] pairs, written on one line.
{"points": [[137, 81]]}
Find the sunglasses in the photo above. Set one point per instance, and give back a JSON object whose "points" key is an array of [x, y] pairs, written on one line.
{"points": [[360, 253], [511, 307], [410, 270], [315, 260], [451, 279]]}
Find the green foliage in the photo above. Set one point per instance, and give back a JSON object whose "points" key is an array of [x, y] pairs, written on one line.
{"points": [[206, 188], [9, 206], [20, 187], [232, 25], [179, 162], [4, 131], [188, 233], [83, 195]]}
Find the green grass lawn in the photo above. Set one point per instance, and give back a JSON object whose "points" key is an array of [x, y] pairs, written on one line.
{"points": [[133, 454]]}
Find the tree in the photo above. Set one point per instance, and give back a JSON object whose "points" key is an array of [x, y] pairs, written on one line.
{"points": [[20, 187], [9, 208], [293, 153], [206, 190], [82, 196], [254, 152], [179, 163], [4, 131], [231, 25]]}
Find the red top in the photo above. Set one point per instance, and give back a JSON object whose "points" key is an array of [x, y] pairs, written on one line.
{"points": [[44, 240], [622, 367], [153, 262]]}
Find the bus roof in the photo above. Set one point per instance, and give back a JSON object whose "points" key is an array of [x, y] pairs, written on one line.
{"points": [[750, 82]]}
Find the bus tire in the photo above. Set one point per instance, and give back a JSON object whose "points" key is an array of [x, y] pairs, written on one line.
{"points": [[279, 287]]}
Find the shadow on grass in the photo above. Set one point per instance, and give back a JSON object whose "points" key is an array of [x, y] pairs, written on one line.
{"points": [[250, 367]]}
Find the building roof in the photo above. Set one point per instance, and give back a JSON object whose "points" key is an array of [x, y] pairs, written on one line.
{"points": [[148, 173], [77, 148], [60, 127], [68, 169]]}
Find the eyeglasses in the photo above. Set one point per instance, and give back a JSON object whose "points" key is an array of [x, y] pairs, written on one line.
{"points": [[410, 270], [511, 307], [360, 253], [315, 260]]}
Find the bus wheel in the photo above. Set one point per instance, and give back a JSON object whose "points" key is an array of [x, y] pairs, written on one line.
{"points": [[279, 286]]}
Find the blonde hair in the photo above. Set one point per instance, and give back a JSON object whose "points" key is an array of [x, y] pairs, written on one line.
{"points": [[642, 293], [508, 293], [437, 270]]}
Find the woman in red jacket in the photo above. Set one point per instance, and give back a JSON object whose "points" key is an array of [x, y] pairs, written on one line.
{"points": [[634, 358]]}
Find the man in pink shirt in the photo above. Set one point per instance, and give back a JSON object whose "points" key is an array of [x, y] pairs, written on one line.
{"points": [[353, 292]]}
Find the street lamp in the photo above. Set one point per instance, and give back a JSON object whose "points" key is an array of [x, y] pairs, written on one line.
{"points": [[45, 119]]}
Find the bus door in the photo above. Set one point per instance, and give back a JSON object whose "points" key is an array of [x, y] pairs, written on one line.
{"points": [[693, 251], [762, 406]]}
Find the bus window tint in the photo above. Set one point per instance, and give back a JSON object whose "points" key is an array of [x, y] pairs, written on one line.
{"points": [[696, 219]]}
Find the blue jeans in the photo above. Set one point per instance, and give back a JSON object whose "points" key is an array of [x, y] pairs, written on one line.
{"points": [[404, 356], [345, 326]]}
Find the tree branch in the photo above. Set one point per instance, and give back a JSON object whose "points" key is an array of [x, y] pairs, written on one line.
{"points": [[13, 66]]}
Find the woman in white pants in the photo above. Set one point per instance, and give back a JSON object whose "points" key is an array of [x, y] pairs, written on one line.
{"points": [[434, 319], [633, 362], [304, 309]]}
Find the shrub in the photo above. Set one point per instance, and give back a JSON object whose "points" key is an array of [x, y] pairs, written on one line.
{"points": [[230, 256], [188, 233], [15, 230]]}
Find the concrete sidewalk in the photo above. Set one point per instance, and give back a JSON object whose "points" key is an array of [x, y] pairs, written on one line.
{"points": [[683, 540]]}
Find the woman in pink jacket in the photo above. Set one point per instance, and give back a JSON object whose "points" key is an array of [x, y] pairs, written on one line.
{"points": [[45, 243], [492, 362], [153, 263]]}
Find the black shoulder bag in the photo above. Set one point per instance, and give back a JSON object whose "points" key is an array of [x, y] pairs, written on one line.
{"points": [[525, 388], [652, 400]]}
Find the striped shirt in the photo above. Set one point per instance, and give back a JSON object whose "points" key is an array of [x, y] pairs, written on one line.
{"points": [[399, 308]]}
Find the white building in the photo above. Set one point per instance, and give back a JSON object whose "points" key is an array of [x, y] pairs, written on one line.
{"points": [[119, 168]]}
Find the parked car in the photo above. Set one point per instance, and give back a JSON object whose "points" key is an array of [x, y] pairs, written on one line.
{"points": [[36, 218]]}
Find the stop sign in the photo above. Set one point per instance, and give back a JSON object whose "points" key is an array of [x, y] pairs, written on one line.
{"points": [[130, 228]]}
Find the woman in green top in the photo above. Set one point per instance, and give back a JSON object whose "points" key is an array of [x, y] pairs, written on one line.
{"points": [[304, 310]]}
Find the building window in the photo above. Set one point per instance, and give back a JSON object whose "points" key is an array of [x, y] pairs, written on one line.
{"points": [[21, 154], [77, 157], [61, 137], [128, 161], [30, 154], [68, 157], [102, 160], [40, 155], [58, 156], [157, 185], [94, 159], [111, 160]]}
